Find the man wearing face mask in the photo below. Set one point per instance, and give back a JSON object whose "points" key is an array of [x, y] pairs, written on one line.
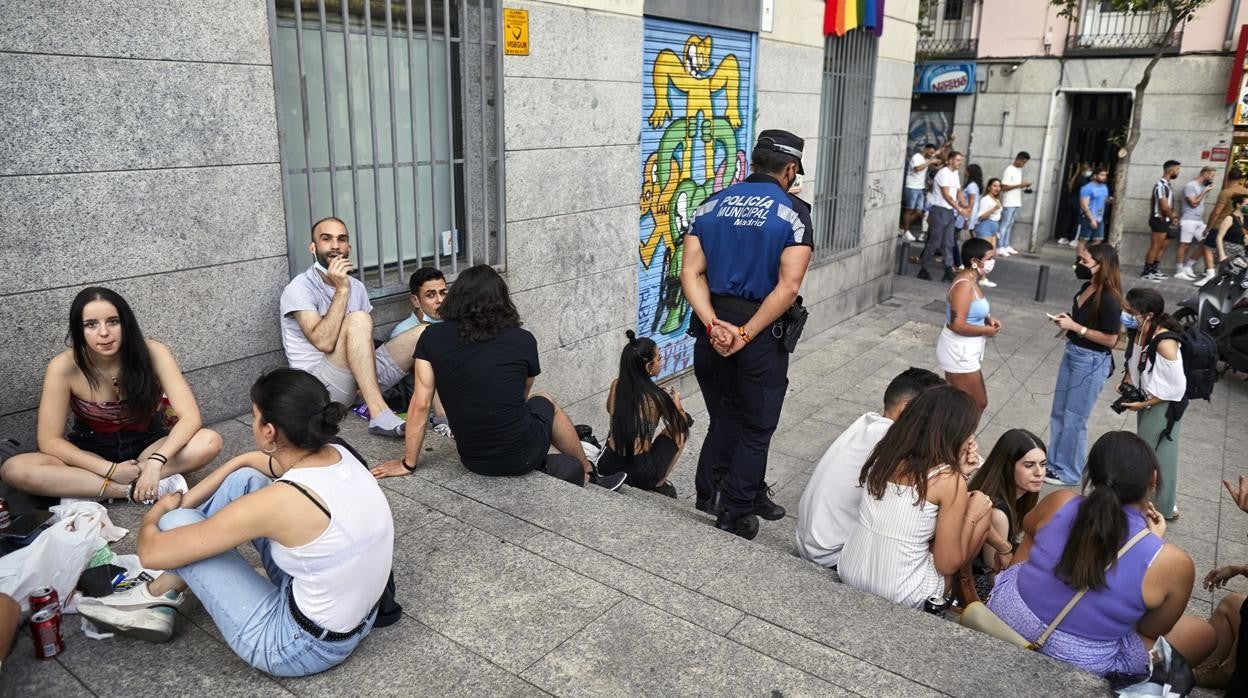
{"points": [[1191, 220], [1163, 220], [427, 289], [745, 256]]}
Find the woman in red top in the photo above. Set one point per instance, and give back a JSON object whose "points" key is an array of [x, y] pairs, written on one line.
{"points": [[136, 427]]}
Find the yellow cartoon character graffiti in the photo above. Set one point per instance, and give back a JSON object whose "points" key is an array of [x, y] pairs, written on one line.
{"points": [[693, 76]]}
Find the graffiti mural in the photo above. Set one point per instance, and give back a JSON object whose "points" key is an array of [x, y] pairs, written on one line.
{"points": [[697, 122]]}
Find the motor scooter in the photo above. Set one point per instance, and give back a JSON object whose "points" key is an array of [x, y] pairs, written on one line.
{"points": [[1221, 309]]}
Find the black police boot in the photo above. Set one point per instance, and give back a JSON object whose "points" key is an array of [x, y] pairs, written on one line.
{"points": [[709, 505], [924, 275], [744, 526], [948, 274], [764, 507]]}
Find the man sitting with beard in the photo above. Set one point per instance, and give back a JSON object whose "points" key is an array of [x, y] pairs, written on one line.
{"points": [[327, 331]]}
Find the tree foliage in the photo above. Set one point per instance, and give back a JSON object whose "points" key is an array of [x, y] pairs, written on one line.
{"points": [[1177, 13]]}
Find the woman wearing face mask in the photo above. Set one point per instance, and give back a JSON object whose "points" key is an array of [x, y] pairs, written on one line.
{"points": [[1155, 366], [1091, 327], [989, 215], [960, 349], [1012, 477]]}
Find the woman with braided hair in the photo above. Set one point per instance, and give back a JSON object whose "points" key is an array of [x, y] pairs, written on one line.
{"points": [[635, 405]]}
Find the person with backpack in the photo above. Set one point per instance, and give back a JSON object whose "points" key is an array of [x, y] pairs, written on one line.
{"points": [[1155, 366]]}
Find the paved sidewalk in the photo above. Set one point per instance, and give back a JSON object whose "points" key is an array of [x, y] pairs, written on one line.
{"points": [[528, 586]]}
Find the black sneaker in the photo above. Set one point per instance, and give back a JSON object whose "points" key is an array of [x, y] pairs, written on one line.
{"points": [[764, 507], [948, 275], [744, 526], [667, 489], [609, 482], [924, 275], [1051, 477]]}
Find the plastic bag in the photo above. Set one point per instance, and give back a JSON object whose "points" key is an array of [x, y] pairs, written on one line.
{"points": [[1169, 675], [57, 556]]}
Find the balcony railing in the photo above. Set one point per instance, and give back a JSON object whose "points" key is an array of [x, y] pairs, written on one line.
{"points": [[1101, 29], [949, 28]]}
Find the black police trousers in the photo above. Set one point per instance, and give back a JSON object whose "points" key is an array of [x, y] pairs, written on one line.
{"points": [[743, 394]]}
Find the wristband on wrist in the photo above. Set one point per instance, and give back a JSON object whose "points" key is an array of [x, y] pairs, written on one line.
{"points": [[109, 475], [408, 468], [745, 336], [158, 458]]}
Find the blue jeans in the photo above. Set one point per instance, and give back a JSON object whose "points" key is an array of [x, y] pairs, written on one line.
{"points": [[251, 611], [1008, 216], [940, 236], [1079, 381]]}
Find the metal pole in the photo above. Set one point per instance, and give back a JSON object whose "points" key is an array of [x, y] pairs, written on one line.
{"points": [[355, 188], [329, 127], [1042, 283], [499, 153], [372, 129], [903, 258]]}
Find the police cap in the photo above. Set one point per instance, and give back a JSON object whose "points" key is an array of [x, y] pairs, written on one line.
{"points": [[782, 142]]}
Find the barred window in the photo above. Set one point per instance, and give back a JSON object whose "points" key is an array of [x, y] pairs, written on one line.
{"points": [[389, 117], [844, 139]]}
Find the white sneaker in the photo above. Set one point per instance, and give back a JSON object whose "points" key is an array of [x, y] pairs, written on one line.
{"points": [[1011, 249], [1205, 279], [1003, 252], [987, 284], [154, 624], [133, 595], [443, 429], [1185, 274], [1073, 243], [1063, 241], [909, 237], [171, 484]]}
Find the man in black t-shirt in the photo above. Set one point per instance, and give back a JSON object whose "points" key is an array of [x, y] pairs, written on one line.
{"points": [[485, 363], [1163, 221]]}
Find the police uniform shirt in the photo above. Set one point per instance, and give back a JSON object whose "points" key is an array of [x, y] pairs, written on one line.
{"points": [[744, 229]]}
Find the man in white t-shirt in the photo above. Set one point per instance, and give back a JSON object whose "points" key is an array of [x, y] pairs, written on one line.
{"points": [[946, 201], [916, 187], [1012, 186], [327, 330], [1192, 220], [828, 511]]}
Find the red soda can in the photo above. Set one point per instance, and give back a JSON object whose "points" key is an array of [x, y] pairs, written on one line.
{"points": [[5, 518], [45, 629], [43, 597]]}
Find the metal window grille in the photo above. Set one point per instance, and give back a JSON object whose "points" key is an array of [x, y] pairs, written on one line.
{"points": [[390, 118], [844, 138], [949, 28], [1101, 28]]}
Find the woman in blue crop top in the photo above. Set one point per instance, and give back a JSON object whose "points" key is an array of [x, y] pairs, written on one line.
{"points": [[960, 349], [1135, 594]]}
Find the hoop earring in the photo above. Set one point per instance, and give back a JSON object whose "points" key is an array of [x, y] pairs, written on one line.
{"points": [[270, 451]]}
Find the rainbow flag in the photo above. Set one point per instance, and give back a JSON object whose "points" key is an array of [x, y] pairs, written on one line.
{"points": [[841, 16]]}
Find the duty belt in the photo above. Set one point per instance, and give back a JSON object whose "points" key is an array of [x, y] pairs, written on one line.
{"points": [[732, 304]]}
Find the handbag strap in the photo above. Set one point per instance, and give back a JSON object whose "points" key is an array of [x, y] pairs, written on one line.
{"points": [[1057, 620]]}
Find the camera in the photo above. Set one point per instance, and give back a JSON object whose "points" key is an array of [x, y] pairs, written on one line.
{"points": [[1128, 393], [1029, 190]]}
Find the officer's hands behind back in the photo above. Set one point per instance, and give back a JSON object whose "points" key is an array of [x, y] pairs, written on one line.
{"points": [[725, 338]]}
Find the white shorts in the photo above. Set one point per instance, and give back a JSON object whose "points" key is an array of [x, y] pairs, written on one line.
{"points": [[957, 353], [1191, 231], [341, 383]]}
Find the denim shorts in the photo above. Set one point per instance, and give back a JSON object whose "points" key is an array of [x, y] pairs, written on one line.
{"points": [[986, 229], [1087, 232], [912, 199]]}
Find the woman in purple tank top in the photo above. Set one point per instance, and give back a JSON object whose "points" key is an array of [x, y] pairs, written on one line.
{"points": [[1072, 542]]}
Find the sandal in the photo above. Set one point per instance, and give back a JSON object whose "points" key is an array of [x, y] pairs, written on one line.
{"points": [[1173, 517]]}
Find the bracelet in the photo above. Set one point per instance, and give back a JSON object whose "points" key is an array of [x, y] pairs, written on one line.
{"points": [[745, 336], [109, 475], [158, 458], [102, 488], [408, 468]]}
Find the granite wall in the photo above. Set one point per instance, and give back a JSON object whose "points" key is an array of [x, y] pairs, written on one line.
{"points": [[140, 153]]}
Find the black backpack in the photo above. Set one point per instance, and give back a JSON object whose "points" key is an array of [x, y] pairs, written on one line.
{"points": [[1200, 360]]}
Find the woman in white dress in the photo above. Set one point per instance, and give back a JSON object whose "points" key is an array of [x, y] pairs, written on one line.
{"points": [[917, 524]]}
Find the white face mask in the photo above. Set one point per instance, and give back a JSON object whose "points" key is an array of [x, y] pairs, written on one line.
{"points": [[1087, 173], [986, 266]]}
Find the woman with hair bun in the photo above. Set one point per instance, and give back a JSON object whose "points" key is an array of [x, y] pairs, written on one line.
{"points": [[635, 405], [325, 537], [1110, 543]]}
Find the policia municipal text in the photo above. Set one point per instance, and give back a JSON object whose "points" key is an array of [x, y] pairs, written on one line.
{"points": [[745, 256]]}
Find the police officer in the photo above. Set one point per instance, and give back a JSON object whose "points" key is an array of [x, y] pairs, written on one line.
{"points": [[744, 259]]}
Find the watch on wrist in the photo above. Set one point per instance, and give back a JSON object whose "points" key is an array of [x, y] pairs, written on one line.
{"points": [[1083, 331]]}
